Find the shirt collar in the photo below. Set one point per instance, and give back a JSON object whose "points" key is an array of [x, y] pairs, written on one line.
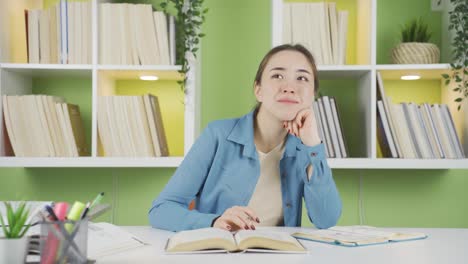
{"points": [[243, 133]]}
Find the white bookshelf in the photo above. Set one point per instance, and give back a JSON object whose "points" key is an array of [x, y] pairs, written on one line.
{"points": [[16, 78], [364, 71]]}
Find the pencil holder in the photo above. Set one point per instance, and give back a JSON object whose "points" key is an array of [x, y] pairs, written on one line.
{"points": [[64, 242]]}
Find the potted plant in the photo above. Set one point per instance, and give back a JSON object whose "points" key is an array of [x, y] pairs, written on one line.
{"points": [[415, 47], [458, 24], [13, 242]]}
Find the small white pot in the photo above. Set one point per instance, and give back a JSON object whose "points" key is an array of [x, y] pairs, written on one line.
{"points": [[13, 251]]}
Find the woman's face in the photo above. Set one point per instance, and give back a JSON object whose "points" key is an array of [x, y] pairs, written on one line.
{"points": [[287, 85]]}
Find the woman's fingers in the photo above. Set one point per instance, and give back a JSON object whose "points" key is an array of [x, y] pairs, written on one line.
{"points": [[223, 224], [251, 214], [241, 217]]}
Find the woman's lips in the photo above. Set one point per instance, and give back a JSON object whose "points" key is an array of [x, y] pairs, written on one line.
{"points": [[288, 101]]}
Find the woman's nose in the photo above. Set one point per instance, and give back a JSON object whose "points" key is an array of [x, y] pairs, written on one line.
{"points": [[288, 88]]}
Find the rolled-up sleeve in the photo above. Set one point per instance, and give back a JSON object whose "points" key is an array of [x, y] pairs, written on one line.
{"points": [[321, 196], [169, 210]]}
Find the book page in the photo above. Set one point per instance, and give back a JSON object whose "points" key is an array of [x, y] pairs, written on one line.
{"points": [[267, 239], [199, 239], [107, 239]]}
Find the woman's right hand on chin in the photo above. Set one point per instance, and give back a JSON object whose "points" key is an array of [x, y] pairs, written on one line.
{"points": [[237, 217]]}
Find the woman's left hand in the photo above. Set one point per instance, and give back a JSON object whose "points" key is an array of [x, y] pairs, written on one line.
{"points": [[304, 126]]}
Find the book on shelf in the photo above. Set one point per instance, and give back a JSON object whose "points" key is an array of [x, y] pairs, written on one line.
{"points": [[330, 127], [43, 126], [131, 126], [319, 27], [415, 131], [391, 122], [210, 240], [429, 124], [354, 236], [383, 133], [326, 129], [59, 34], [123, 39]]}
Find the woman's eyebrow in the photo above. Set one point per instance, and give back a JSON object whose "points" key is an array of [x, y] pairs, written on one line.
{"points": [[303, 70], [278, 69]]}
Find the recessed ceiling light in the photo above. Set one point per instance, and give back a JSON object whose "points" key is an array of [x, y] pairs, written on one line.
{"points": [[410, 77], [149, 78]]}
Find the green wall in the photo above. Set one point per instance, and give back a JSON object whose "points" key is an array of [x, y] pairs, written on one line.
{"points": [[238, 34]]}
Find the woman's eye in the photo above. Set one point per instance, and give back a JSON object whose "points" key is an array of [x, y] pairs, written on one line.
{"points": [[302, 78], [277, 76]]}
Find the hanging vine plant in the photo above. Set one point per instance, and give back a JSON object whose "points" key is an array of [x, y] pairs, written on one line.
{"points": [[190, 16], [458, 22]]}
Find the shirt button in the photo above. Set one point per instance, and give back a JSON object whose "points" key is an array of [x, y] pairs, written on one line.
{"points": [[313, 154], [288, 205], [284, 174]]}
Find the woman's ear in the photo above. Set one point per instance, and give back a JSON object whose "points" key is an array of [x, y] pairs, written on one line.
{"points": [[258, 91]]}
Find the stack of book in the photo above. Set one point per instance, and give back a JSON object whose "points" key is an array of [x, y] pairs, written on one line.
{"points": [[43, 126], [319, 27], [330, 127], [132, 34], [408, 130], [59, 34], [131, 126]]}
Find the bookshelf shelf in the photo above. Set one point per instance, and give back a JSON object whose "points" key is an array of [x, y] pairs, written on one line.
{"points": [[438, 66], [47, 70], [161, 162], [387, 163], [140, 67], [173, 162]]}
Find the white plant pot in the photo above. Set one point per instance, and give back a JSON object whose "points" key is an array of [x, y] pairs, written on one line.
{"points": [[13, 251]]}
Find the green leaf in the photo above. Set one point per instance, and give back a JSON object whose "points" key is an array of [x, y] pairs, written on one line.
{"points": [[458, 100], [447, 82], [19, 225], [24, 230], [10, 215], [19, 210], [5, 230], [446, 76], [456, 89]]}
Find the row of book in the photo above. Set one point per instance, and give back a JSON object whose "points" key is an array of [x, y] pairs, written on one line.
{"points": [[319, 27], [408, 130], [43, 126], [60, 34], [330, 127], [131, 126], [132, 34]]}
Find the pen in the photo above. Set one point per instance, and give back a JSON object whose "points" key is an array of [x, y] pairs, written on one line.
{"points": [[61, 210], [96, 200], [85, 211], [74, 214], [51, 213]]}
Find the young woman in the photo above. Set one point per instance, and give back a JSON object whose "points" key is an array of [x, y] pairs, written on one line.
{"points": [[255, 170]]}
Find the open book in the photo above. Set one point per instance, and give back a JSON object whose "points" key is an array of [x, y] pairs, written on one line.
{"points": [[353, 236], [217, 240]]}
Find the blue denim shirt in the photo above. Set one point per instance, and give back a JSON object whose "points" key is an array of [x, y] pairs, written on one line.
{"points": [[222, 168]]}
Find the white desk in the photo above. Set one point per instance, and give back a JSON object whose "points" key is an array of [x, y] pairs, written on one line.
{"points": [[443, 245]]}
